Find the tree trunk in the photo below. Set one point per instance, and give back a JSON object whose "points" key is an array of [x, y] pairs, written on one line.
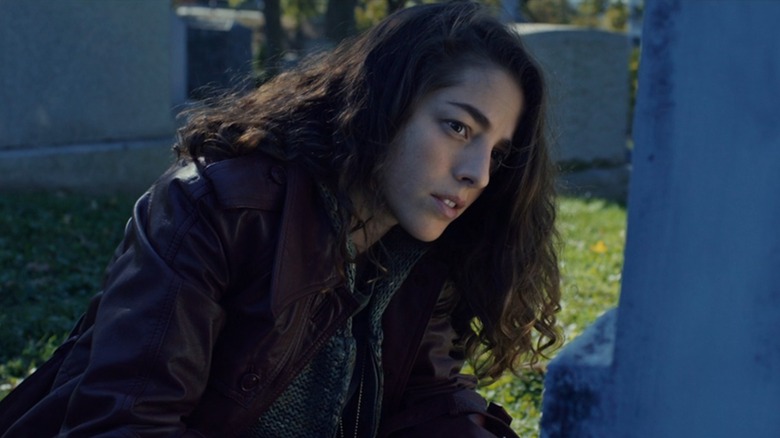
{"points": [[274, 36], [394, 5], [340, 19]]}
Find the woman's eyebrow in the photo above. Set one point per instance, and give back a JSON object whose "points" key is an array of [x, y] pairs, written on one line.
{"points": [[476, 114]]}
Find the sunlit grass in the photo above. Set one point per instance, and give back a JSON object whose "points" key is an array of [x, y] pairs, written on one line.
{"points": [[591, 260]]}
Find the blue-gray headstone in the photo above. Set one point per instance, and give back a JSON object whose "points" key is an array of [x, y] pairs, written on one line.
{"points": [[219, 53], [696, 351]]}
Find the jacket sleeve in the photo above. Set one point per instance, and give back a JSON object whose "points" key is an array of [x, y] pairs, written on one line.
{"points": [[438, 400], [158, 319]]}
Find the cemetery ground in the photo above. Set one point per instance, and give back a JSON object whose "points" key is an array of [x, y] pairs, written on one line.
{"points": [[54, 249]]}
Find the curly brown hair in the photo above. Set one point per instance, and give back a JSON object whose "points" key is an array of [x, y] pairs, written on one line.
{"points": [[337, 114]]}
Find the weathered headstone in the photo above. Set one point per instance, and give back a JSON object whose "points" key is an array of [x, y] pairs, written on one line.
{"points": [[695, 351], [77, 75], [219, 53], [587, 73]]}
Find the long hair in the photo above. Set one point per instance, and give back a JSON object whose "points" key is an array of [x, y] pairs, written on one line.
{"points": [[338, 113]]}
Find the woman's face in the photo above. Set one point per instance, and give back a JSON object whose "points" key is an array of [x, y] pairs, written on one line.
{"points": [[441, 158]]}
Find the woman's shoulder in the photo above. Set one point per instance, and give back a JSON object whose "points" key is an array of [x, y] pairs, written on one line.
{"points": [[253, 181], [256, 180], [228, 209]]}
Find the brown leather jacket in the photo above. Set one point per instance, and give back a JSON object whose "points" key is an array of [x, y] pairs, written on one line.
{"points": [[219, 294]]}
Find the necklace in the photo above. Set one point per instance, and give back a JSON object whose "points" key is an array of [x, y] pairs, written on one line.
{"points": [[359, 403]]}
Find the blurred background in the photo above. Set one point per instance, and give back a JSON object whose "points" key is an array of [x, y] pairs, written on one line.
{"points": [[91, 89]]}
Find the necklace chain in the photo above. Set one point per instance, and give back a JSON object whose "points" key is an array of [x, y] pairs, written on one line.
{"points": [[359, 403]]}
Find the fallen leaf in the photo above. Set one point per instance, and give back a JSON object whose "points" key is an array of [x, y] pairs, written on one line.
{"points": [[599, 248]]}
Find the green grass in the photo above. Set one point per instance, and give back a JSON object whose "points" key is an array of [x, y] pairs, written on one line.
{"points": [[591, 260], [54, 248]]}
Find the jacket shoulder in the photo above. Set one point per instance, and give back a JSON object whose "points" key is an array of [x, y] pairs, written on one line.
{"points": [[250, 181], [255, 181]]}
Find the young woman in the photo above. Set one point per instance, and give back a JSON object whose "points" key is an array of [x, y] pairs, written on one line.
{"points": [[327, 252]]}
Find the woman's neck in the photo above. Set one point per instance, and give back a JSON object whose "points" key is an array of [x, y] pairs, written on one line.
{"points": [[372, 229]]}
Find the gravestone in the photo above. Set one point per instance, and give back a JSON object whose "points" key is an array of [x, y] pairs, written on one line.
{"points": [[219, 52], [79, 76], [692, 349], [587, 74]]}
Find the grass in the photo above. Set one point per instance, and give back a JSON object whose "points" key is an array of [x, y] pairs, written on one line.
{"points": [[591, 261], [54, 248]]}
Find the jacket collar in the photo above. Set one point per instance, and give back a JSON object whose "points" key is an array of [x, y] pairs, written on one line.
{"points": [[304, 262]]}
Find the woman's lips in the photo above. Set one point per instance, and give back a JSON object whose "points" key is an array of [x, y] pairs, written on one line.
{"points": [[449, 206]]}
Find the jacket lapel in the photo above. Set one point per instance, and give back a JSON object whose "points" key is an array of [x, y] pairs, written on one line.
{"points": [[304, 261]]}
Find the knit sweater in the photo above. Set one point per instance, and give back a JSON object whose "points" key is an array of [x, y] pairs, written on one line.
{"points": [[312, 404]]}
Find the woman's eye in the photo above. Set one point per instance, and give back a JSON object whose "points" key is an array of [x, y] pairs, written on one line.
{"points": [[457, 127]]}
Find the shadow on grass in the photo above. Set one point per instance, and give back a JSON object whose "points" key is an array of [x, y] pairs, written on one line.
{"points": [[54, 248], [608, 183]]}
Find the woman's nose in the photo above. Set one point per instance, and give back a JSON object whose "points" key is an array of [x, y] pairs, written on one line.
{"points": [[473, 166]]}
